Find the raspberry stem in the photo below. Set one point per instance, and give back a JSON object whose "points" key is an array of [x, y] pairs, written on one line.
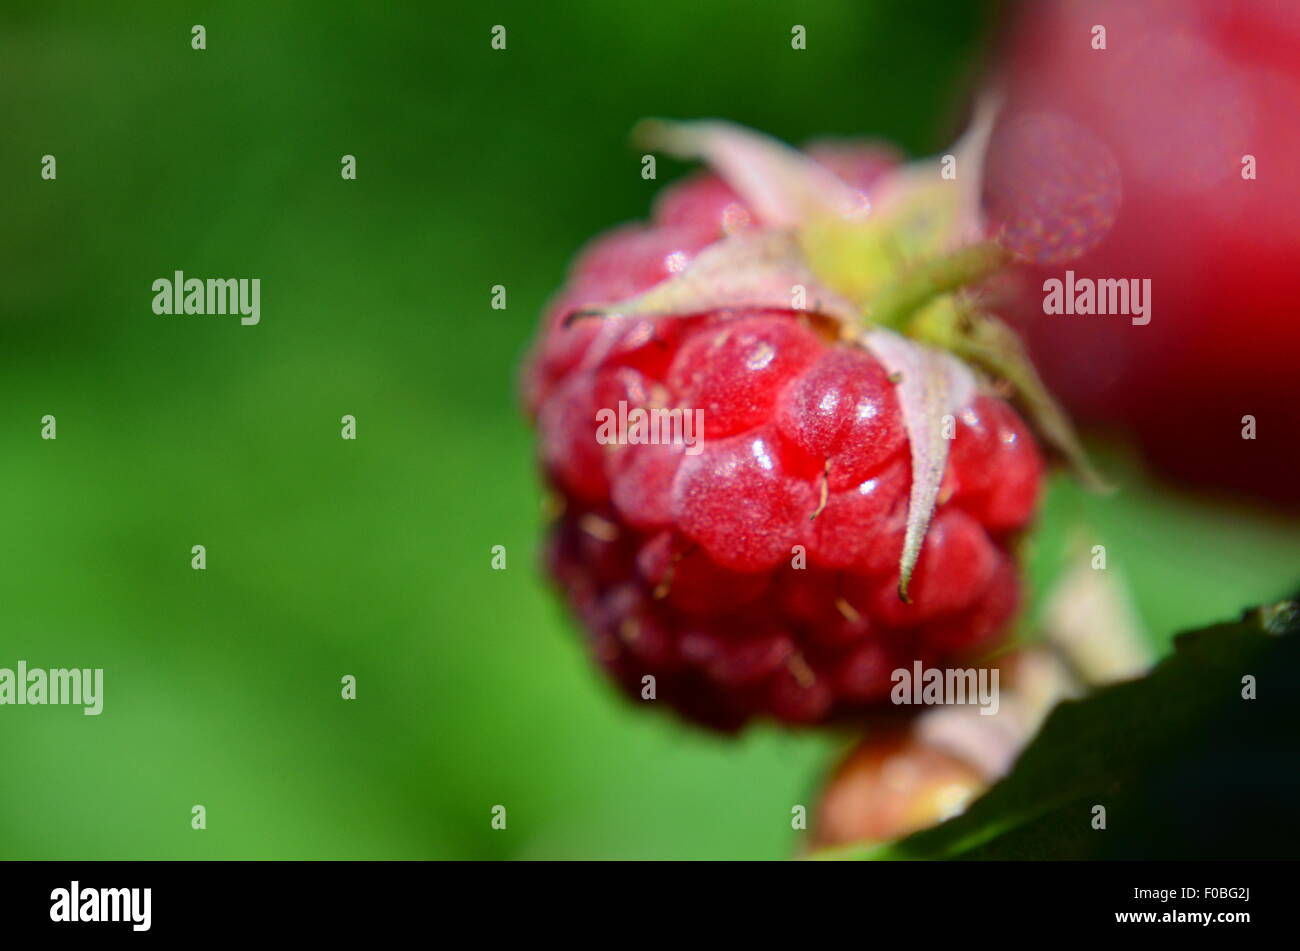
{"points": [[902, 298]]}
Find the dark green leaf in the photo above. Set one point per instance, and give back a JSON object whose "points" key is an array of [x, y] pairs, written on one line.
{"points": [[1184, 766]]}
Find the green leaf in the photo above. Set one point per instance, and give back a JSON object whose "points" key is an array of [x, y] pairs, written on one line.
{"points": [[1183, 764]]}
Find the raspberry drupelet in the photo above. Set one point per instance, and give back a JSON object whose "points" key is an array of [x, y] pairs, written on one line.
{"points": [[756, 573]]}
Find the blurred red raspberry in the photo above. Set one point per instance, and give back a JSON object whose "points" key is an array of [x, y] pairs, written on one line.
{"points": [[1185, 98]]}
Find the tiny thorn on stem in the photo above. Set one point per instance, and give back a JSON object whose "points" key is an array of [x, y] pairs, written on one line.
{"points": [[825, 491], [629, 630], [598, 528], [803, 674], [573, 316]]}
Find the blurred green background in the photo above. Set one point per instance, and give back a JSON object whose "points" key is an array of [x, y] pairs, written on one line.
{"points": [[372, 558]]}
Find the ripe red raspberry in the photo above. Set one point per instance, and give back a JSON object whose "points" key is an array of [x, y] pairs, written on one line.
{"points": [[757, 572]]}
